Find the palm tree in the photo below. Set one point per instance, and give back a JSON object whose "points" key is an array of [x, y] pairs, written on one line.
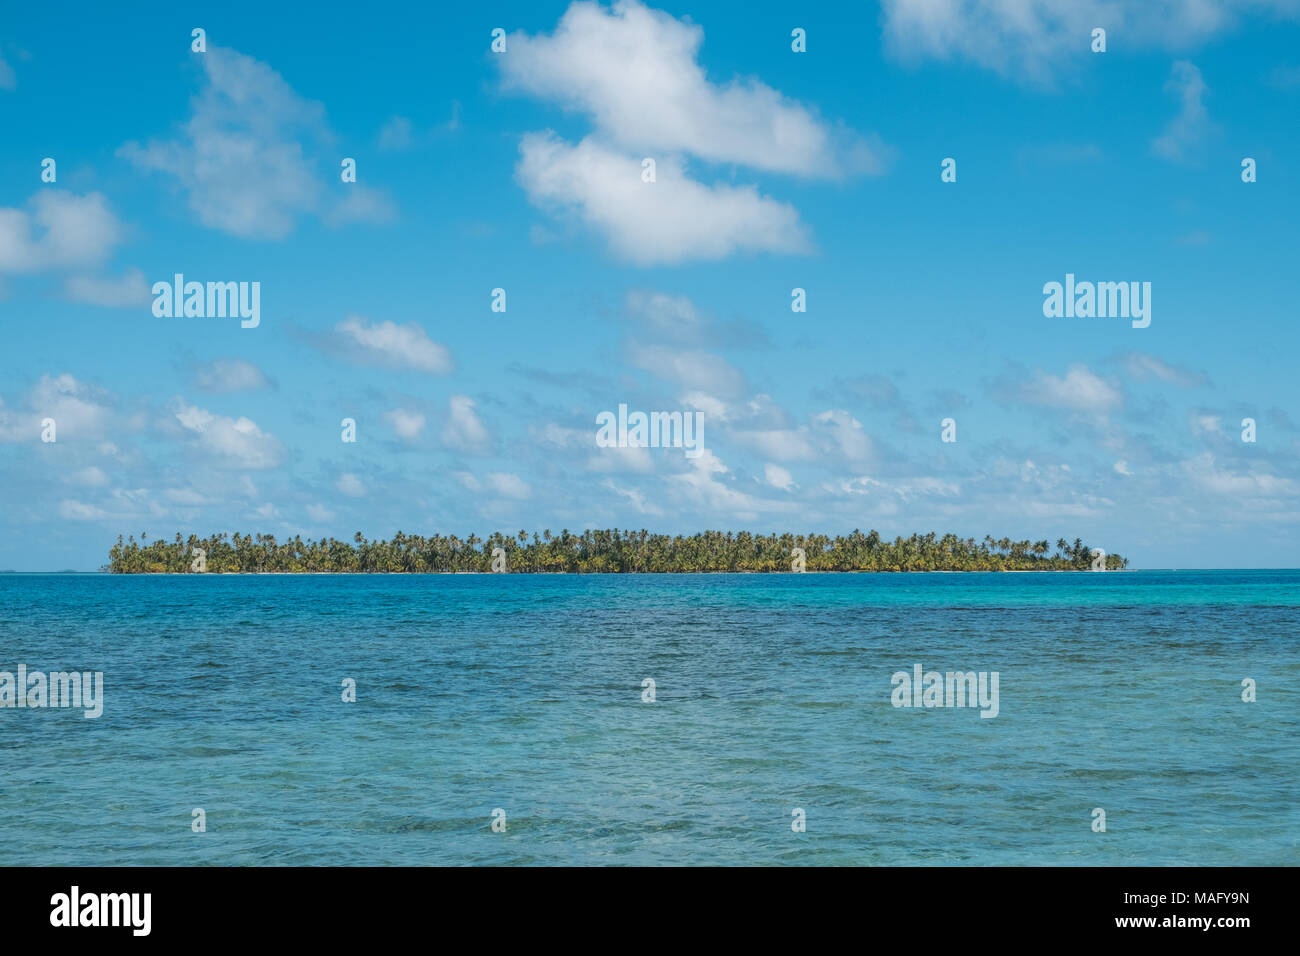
{"points": [[595, 550]]}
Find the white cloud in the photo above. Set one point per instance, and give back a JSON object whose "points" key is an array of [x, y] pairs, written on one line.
{"points": [[714, 408], [673, 317], [1190, 126], [634, 458], [242, 157], [1032, 38], [407, 424], [635, 72], [1010, 36], [79, 410], [393, 345], [1206, 424], [8, 79], [63, 230], [904, 490], [350, 485], [860, 485], [1247, 486], [229, 375], [706, 486], [464, 430], [778, 477], [846, 433], [638, 498], [118, 505], [1080, 390], [235, 442], [671, 220], [129, 290]]}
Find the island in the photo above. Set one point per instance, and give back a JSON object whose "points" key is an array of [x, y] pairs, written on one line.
{"points": [[610, 551]]}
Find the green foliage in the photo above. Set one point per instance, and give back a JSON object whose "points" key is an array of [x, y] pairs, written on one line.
{"points": [[611, 551]]}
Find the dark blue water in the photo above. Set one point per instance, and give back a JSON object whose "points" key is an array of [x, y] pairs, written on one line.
{"points": [[1119, 691]]}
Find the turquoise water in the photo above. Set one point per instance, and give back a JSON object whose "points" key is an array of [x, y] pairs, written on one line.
{"points": [[475, 692]]}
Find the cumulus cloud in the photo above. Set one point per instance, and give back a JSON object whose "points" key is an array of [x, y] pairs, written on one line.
{"points": [[233, 442], [846, 433], [1080, 390], [392, 345], [79, 410], [1207, 425], [673, 317], [778, 477], [708, 484], [671, 220], [464, 430], [243, 157], [407, 424], [62, 230], [635, 72]]}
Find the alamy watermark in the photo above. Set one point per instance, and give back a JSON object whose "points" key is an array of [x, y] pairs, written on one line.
{"points": [[1101, 300], [923, 688], [75, 908], [57, 689], [215, 300], [654, 430]]}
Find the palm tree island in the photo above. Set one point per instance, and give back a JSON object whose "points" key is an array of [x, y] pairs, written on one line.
{"points": [[598, 552]]}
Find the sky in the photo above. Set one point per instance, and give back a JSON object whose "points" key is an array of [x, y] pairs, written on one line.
{"points": [[523, 170]]}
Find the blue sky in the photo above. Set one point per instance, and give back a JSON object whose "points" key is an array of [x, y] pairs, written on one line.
{"points": [[775, 170]]}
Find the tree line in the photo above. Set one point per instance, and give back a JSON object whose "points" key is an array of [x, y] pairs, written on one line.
{"points": [[593, 551]]}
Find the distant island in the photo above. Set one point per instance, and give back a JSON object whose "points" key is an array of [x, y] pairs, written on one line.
{"points": [[597, 552]]}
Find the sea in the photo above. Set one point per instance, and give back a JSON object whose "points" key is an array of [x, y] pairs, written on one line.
{"points": [[1143, 718]]}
